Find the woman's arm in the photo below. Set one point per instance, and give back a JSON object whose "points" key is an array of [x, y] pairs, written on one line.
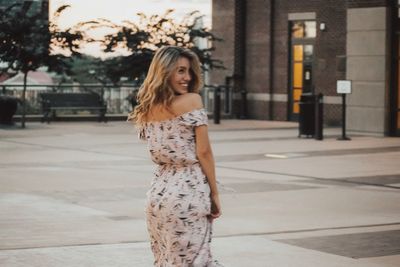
{"points": [[188, 102], [203, 146], [206, 158]]}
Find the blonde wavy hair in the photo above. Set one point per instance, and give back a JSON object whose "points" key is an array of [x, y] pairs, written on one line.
{"points": [[156, 89]]}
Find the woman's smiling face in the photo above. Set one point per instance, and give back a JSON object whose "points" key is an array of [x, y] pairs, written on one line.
{"points": [[181, 76]]}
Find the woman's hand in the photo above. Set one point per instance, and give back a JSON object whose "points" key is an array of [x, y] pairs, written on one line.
{"points": [[215, 207]]}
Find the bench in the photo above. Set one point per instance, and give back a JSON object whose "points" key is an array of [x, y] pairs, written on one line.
{"points": [[52, 102]]}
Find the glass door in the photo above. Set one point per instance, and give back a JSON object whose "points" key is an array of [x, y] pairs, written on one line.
{"points": [[301, 73], [303, 34]]}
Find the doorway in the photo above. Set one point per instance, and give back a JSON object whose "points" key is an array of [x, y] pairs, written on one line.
{"points": [[302, 39]]}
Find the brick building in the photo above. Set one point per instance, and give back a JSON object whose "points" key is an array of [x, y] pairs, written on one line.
{"points": [[276, 50]]}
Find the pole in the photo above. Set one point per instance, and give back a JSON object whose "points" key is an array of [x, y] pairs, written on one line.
{"points": [[243, 107], [227, 100], [344, 137], [271, 59], [319, 117], [217, 105]]}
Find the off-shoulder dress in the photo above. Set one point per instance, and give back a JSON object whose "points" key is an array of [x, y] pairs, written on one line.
{"points": [[178, 202]]}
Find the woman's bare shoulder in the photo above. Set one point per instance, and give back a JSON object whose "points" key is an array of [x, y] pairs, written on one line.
{"points": [[191, 98], [187, 102]]}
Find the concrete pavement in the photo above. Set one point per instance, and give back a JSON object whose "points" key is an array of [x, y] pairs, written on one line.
{"points": [[72, 194]]}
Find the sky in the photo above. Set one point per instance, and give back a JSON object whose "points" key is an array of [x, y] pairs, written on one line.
{"points": [[120, 10]]}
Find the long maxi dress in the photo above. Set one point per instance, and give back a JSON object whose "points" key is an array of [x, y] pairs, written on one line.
{"points": [[178, 202]]}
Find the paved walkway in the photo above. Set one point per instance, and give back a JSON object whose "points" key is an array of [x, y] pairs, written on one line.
{"points": [[72, 194]]}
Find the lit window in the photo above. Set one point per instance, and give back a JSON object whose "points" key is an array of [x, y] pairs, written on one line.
{"points": [[298, 29], [310, 29], [304, 29], [308, 52]]}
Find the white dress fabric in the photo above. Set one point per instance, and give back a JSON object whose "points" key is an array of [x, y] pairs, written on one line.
{"points": [[178, 202]]}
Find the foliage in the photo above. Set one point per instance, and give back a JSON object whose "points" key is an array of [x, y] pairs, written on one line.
{"points": [[143, 38], [83, 66], [139, 41], [28, 42]]}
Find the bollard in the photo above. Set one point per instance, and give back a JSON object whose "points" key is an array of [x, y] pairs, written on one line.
{"points": [[319, 117], [227, 92], [243, 107], [344, 137], [226, 99], [217, 105]]}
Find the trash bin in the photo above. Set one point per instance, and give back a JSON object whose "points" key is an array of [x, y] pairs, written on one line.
{"points": [[307, 115]]}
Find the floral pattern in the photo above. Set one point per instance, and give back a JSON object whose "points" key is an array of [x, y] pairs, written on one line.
{"points": [[178, 201]]}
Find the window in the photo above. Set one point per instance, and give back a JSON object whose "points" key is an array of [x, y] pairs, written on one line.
{"points": [[304, 29]]}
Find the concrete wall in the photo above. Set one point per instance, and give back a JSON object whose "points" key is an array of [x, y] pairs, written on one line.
{"points": [[366, 65]]}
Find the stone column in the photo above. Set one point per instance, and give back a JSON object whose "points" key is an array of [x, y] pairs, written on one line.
{"points": [[366, 67]]}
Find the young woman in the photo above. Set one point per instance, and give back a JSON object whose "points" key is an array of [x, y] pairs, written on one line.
{"points": [[183, 199]]}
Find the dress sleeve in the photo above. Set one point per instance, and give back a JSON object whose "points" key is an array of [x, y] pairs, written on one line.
{"points": [[195, 117]]}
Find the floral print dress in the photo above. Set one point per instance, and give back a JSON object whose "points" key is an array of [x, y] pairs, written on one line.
{"points": [[178, 202]]}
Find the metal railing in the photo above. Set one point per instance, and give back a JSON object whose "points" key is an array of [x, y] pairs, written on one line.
{"points": [[218, 101], [117, 98], [217, 98]]}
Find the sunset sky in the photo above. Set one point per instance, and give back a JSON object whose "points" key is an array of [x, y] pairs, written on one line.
{"points": [[120, 10]]}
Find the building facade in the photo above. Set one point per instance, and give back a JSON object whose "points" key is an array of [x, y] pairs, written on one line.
{"points": [[276, 50]]}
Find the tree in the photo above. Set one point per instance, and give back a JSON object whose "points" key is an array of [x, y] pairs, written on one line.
{"points": [[82, 66], [141, 40], [28, 41]]}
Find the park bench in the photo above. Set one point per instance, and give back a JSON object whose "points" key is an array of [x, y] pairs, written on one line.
{"points": [[52, 102]]}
